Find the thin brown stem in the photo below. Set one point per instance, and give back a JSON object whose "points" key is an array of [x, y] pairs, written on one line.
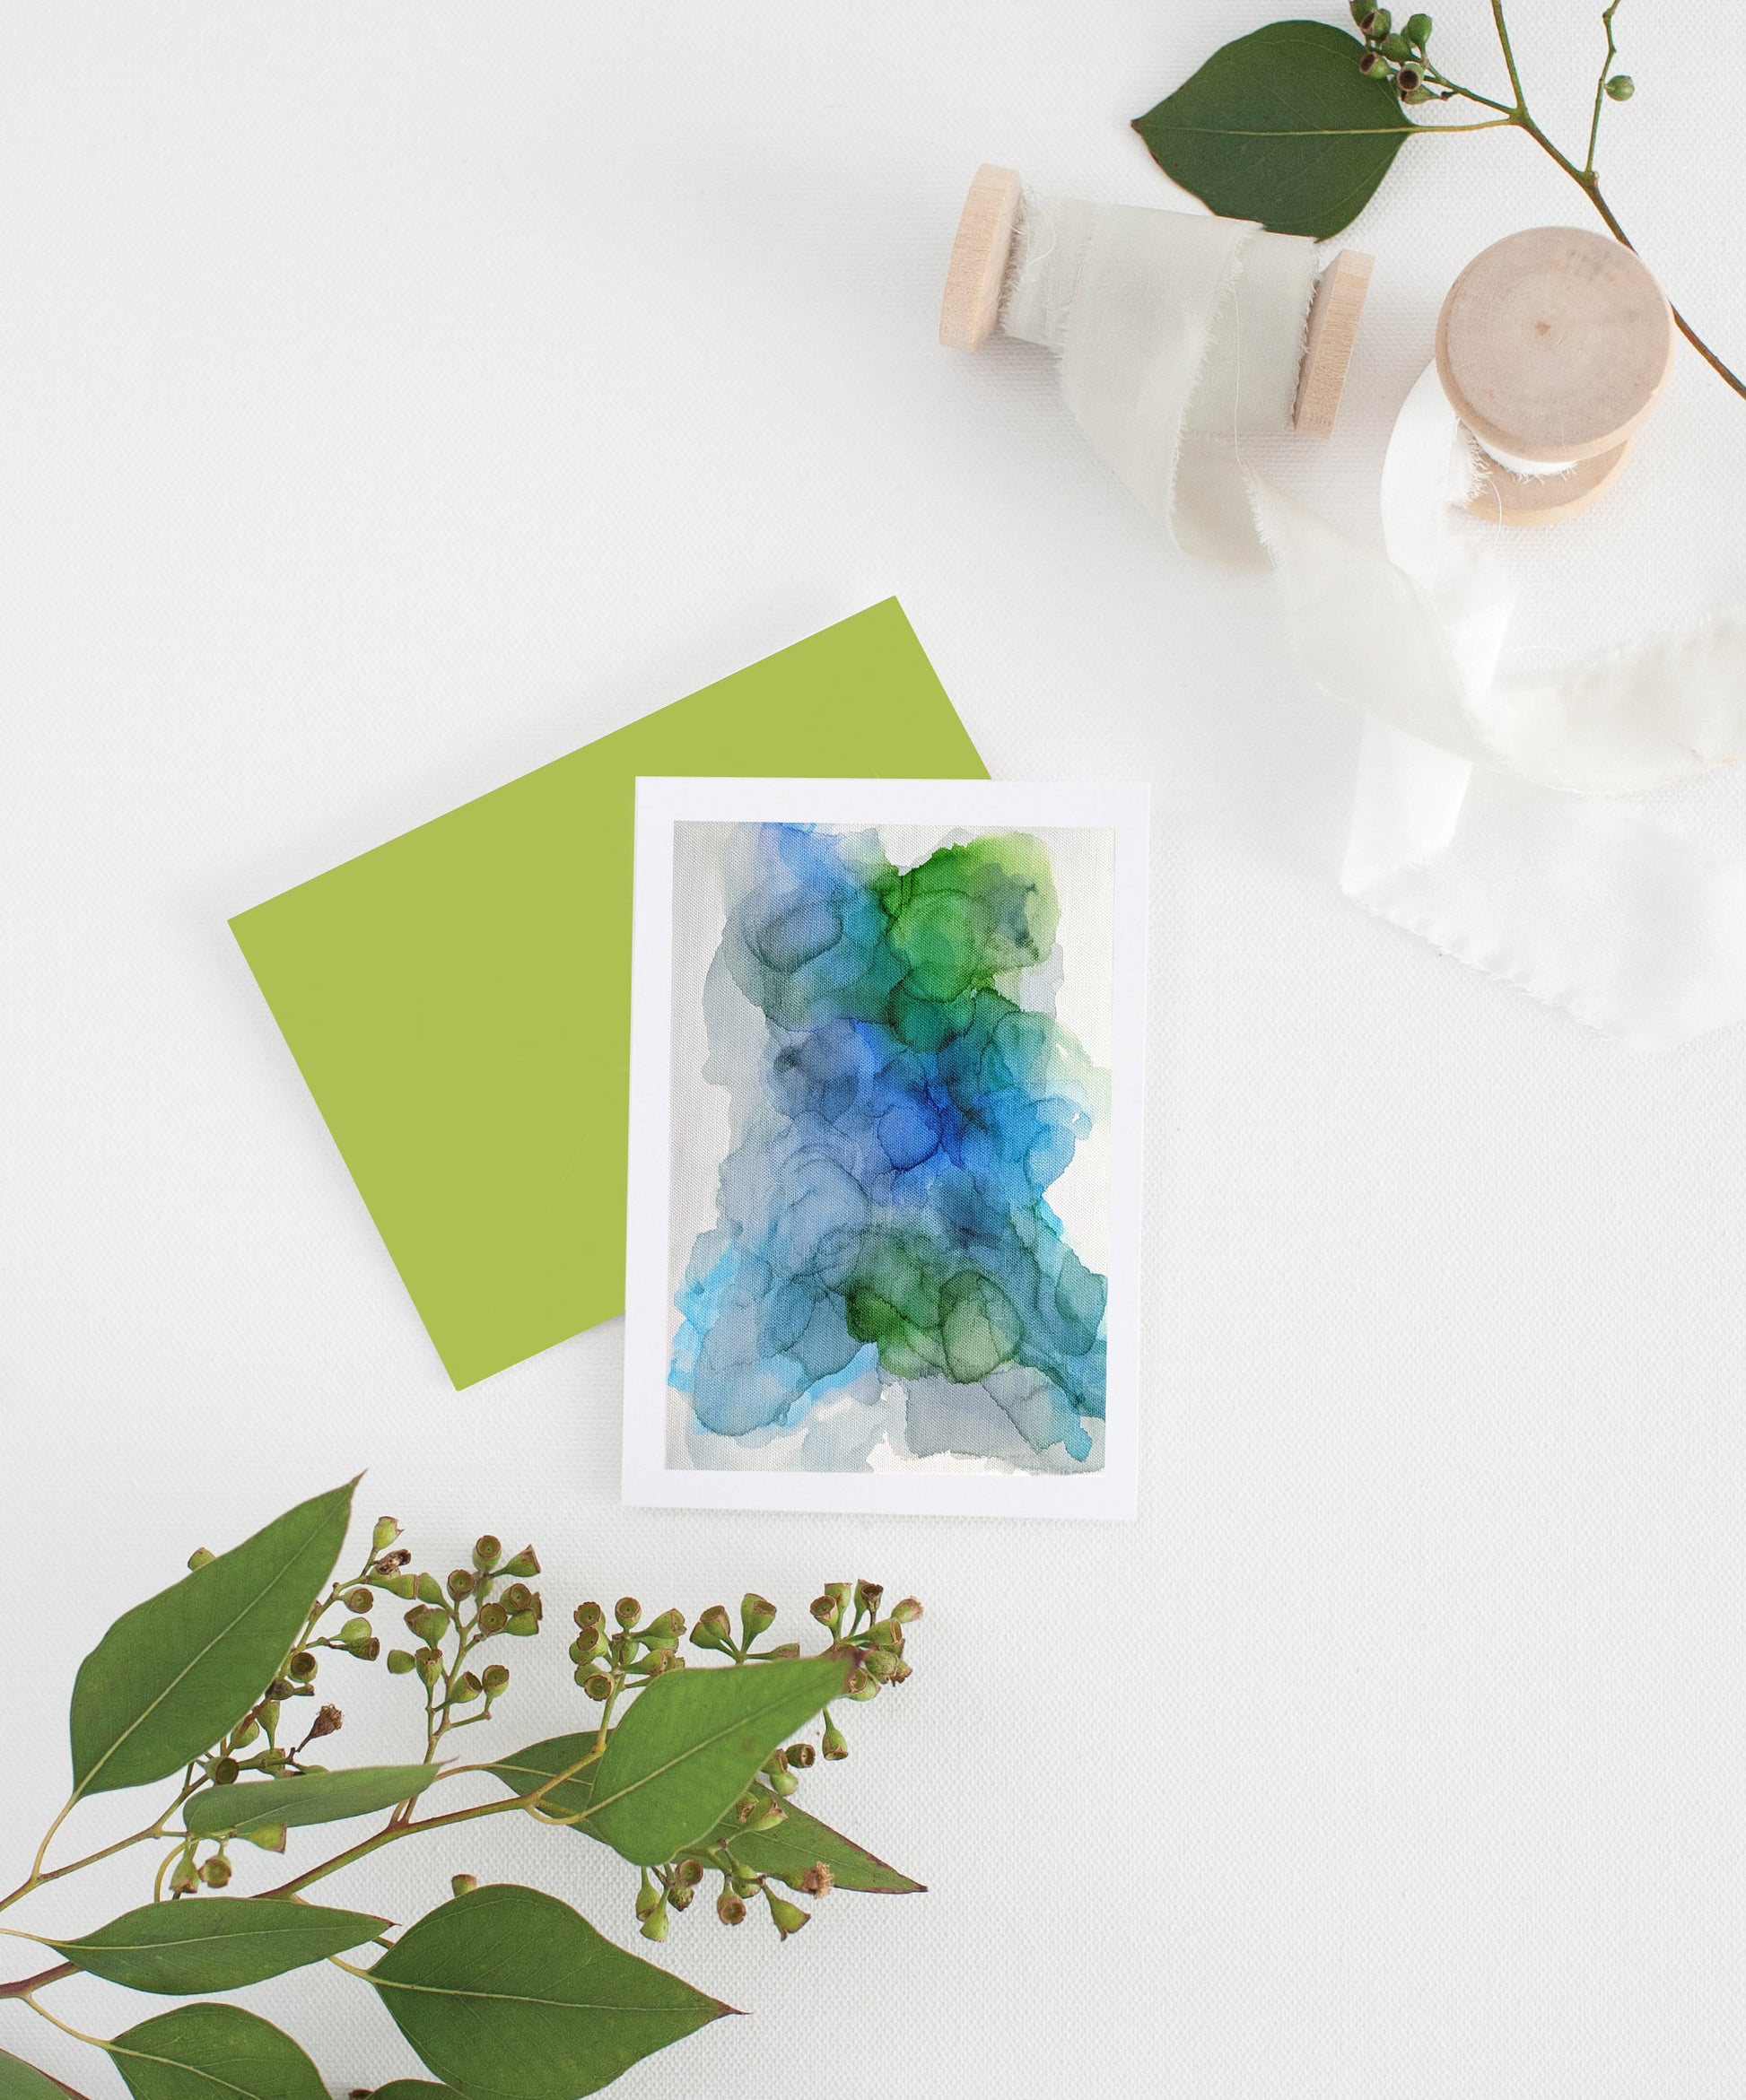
{"points": [[1607, 14], [530, 1800], [1509, 56], [24, 1987]]}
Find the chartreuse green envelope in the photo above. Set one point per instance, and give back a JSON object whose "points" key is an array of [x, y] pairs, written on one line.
{"points": [[458, 1000]]}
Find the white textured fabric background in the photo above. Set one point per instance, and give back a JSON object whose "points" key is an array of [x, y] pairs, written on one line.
{"points": [[393, 397]]}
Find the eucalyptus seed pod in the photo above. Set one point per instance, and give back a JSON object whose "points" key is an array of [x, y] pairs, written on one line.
{"points": [[268, 1711], [366, 1650], [800, 1755], [787, 1918], [216, 1871], [387, 1531], [526, 1562], [648, 1896], [428, 1590], [789, 1652], [186, 1879], [907, 1611], [518, 1597], [784, 1783], [839, 1590], [521, 1624], [355, 1630], [328, 1722], [598, 1686], [654, 1926], [280, 1689], [462, 1582], [468, 1689], [824, 1609], [758, 1615], [224, 1772], [396, 1584], [487, 1551], [359, 1598], [463, 1884], [627, 1611], [679, 1898], [1410, 81], [589, 1614], [868, 1596], [1417, 95], [773, 1816], [747, 1807], [1377, 24], [302, 1667], [493, 1618], [244, 1731], [713, 1629], [429, 1622], [429, 1665], [688, 1873], [1419, 30], [201, 1557], [881, 1665], [495, 1677], [1372, 63], [729, 1908], [1622, 87], [834, 1746], [399, 1661]]}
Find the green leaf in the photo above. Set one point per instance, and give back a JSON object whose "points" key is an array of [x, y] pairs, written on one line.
{"points": [[691, 1746], [215, 1942], [20, 2080], [411, 2089], [797, 1843], [508, 1994], [170, 1676], [787, 1852], [315, 1796], [214, 2053], [1281, 126]]}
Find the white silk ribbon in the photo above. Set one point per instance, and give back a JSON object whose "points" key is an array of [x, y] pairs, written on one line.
{"points": [[1514, 824]]}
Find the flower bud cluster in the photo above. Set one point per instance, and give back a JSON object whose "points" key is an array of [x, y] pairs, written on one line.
{"points": [[1398, 56], [862, 1632], [606, 1661]]}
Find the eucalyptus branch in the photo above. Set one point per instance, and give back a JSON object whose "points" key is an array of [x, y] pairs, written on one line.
{"points": [[143, 1706], [1401, 59]]}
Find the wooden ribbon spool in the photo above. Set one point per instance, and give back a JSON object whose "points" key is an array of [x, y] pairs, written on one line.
{"points": [[1553, 347], [976, 275]]}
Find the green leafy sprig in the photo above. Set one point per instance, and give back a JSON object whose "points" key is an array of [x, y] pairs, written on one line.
{"points": [[681, 1773], [1297, 124]]}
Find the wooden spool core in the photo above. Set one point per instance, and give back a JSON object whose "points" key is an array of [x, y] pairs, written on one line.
{"points": [[1554, 346], [976, 276]]}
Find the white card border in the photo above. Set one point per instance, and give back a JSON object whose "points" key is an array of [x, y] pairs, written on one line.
{"points": [[662, 802]]}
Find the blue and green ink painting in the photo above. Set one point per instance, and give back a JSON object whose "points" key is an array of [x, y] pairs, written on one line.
{"points": [[885, 1282]]}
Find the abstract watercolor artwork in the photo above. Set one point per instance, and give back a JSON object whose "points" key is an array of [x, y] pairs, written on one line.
{"points": [[884, 1115]]}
